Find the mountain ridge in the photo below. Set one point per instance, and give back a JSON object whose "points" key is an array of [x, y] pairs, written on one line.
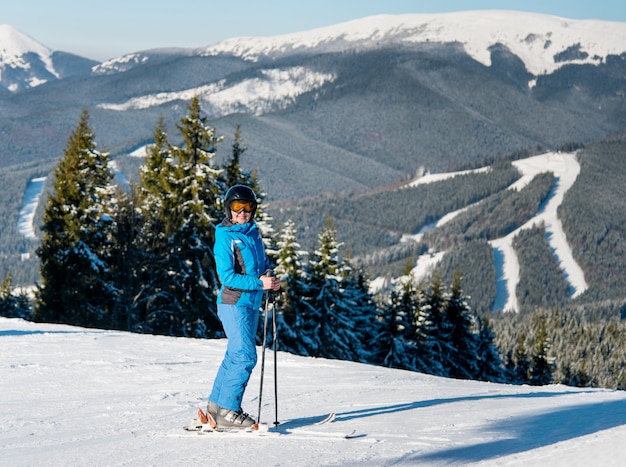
{"points": [[528, 35], [544, 43], [322, 124]]}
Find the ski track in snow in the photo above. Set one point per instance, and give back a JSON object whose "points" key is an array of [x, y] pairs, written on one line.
{"points": [[565, 168]]}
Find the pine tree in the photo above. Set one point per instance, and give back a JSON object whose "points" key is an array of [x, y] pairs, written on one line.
{"points": [[159, 220], [75, 247], [521, 373], [126, 258], [429, 322], [541, 370], [181, 188], [12, 305], [488, 358], [396, 339], [290, 269], [6, 297], [328, 329], [233, 173], [363, 312], [459, 335]]}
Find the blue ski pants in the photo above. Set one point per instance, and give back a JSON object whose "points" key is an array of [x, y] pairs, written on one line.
{"points": [[240, 326]]}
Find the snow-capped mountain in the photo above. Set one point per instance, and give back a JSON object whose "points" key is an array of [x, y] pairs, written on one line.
{"points": [[544, 43], [351, 107], [26, 63]]}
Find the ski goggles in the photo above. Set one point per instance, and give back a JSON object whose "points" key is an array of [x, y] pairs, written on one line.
{"points": [[246, 206]]}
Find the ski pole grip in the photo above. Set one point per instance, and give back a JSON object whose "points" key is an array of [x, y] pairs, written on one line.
{"points": [[271, 296]]}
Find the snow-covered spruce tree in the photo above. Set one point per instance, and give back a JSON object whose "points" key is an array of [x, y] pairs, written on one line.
{"points": [[126, 257], [459, 333], [488, 357], [328, 328], [180, 189], [75, 248], [363, 311], [521, 363], [233, 173], [429, 325], [12, 305], [156, 209], [290, 270], [542, 367], [395, 342]]}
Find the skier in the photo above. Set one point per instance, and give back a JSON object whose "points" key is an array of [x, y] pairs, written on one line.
{"points": [[243, 270]]}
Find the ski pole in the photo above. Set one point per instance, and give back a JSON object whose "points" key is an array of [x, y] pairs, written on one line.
{"points": [[265, 311], [275, 339]]}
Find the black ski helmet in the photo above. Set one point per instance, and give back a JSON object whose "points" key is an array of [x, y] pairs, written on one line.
{"points": [[240, 193]]}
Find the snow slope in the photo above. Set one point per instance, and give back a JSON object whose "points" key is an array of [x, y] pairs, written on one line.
{"points": [[73, 396], [32, 194], [565, 168]]}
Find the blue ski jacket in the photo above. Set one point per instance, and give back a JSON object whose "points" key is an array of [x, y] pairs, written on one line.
{"points": [[240, 260]]}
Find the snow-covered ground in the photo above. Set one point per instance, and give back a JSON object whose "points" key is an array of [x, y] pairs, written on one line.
{"points": [[73, 396]]}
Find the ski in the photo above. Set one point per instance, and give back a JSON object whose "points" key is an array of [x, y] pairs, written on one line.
{"points": [[324, 434], [205, 425], [302, 429], [324, 419]]}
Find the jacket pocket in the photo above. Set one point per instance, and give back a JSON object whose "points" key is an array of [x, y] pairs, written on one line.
{"points": [[231, 296]]}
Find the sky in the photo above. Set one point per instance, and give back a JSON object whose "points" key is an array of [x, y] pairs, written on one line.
{"points": [[73, 396], [102, 30]]}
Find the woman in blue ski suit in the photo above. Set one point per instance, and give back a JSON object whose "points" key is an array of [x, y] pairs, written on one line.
{"points": [[241, 266]]}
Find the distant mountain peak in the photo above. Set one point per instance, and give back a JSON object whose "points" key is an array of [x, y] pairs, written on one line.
{"points": [[14, 43], [539, 40], [24, 62]]}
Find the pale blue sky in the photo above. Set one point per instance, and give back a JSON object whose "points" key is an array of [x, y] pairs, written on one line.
{"points": [[107, 29]]}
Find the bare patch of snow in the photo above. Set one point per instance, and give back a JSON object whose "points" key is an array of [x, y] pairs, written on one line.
{"points": [[274, 89]]}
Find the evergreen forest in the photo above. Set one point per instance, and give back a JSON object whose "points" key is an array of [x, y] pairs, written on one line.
{"points": [[139, 258]]}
